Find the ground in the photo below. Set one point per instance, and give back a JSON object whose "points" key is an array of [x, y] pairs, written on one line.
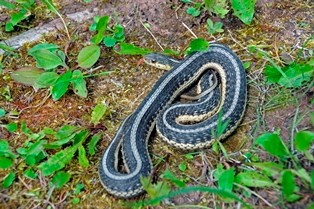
{"points": [[281, 27]]}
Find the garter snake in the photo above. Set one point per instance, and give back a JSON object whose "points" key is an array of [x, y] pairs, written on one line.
{"points": [[158, 107]]}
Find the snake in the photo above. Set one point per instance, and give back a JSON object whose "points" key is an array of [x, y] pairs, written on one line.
{"points": [[185, 125]]}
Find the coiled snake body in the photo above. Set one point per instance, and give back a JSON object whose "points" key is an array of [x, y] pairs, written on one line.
{"points": [[228, 98]]}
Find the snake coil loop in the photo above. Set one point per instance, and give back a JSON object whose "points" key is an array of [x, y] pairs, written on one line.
{"points": [[172, 119]]}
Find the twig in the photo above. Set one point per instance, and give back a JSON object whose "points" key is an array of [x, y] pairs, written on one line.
{"points": [[62, 200], [6, 196], [23, 182], [152, 35], [293, 127], [49, 194], [257, 195], [237, 42], [96, 68], [195, 36], [50, 203], [38, 105]]}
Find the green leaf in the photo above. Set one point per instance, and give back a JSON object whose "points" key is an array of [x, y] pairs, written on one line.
{"points": [[5, 162], [47, 59], [219, 171], [44, 46], [253, 179], [19, 16], [130, 49], [182, 167], [88, 56], [78, 188], [9, 26], [219, 8], [36, 148], [83, 161], [189, 156], [93, 142], [49, 4], [272, 74], [7, 4], [296, 75], [154, 190], [65, 134], [60, 179], [185, 190], [26, 4], [303, 140], [93, 26], [244, 9], [11, 127], [26, 75], [288, 183], [57, 161], [270, 169], [30, 173], [170, 176], [30, 160], [5, 150], [119, 32], [293, 197], [303, 174], [80, 137], [49, 131], [209, 4], [76, 200], [198, 44], [101, 27], [221, 127], [5, 47], [193, 11], [273, 144], [246, 65], [8, 180], [98, 112], [66, 131], [214, 27], [79, 84], [24, 128], [289, 186], [109, 41], [61, 85], [46, 79], [2, 112], [225, 182]]}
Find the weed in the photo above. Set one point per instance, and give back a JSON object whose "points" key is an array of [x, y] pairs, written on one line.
{"points": [[2, 112], [48, 58], [20, 10], [53, 9], [113, 37], [197, 44], [294, 75], [68, 140], [98, 112], [214, 27], [244, 10]]}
